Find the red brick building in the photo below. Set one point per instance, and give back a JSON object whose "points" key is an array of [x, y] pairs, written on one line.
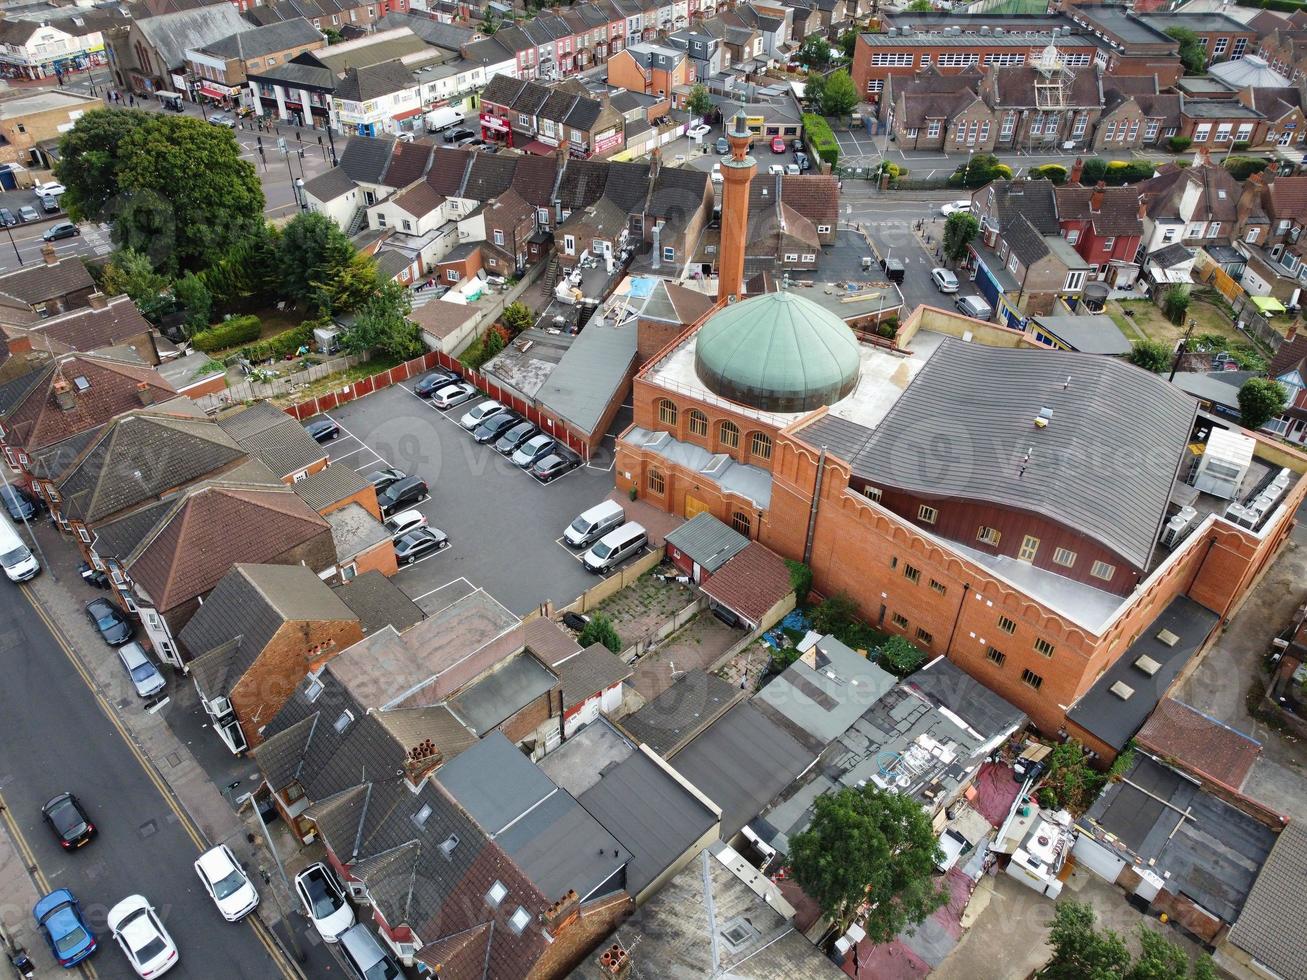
{"points": [[1103, 224]]}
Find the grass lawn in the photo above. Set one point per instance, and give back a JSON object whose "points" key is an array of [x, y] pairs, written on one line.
{"points": [[1147, 322], [339, 380], [272, 321]]}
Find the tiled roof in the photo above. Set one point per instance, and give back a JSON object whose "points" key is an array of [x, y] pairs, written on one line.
{"points": [[449, 166], [1026, 242], [534, 178], [489, 176], [591, 671], [279, 755], [917, 109], [628, 186], [1164, 106], [1199, 742], [269, 39], [39, 283], [330, 485], [1286, 197], [707, 541], [751, 583], [582, 183], [274, 437], [1015, 86], [378, 602], [330, 184], [374, 82], [1033, 198], [410, 727], [1273, 920], [88, 328], [815, 196], [1117, 215], [364, 158], [408, 163]]}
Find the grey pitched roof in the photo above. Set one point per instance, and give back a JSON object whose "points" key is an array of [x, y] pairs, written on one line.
{"points": [[1104, 466], [674, 717], [364, 158], [330, 485], [273, 437], [1274, 916], [449, 36], [707, 541], [378, 602], [329, 185], [375, 81], [172, 35], [590, 372], [265, 40], [40, 283], [354, 531], [594, 669], [1034, 199]]}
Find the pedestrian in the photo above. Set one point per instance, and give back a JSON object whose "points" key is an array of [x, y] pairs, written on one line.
{"points": [[131, 100]]}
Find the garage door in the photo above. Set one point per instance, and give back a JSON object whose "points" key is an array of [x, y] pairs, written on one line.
{"points": [[1097, 858]]}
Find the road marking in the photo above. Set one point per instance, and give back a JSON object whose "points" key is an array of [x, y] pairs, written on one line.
{"points": [[435, 554], [287, 968], [453, 581]]}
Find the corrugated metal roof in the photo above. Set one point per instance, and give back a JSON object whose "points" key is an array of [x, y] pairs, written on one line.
{"points": [[707, 541]]}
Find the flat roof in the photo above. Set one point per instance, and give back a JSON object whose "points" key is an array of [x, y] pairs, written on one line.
{"points": [[506, 690], [1122, 23], [693, 702], [590, 374], [26, 105], [577, 764], [1087, 334]]}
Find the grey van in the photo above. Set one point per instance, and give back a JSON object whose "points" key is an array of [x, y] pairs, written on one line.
{"points": [[594, 523], [974, 306], [615, 547], [366, 956]]}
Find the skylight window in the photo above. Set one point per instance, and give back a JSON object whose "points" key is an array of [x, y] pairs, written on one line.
{"points": [[520, 920]]}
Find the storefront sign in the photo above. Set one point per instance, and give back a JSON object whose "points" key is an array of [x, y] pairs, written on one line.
{"points": [[609, 139]]}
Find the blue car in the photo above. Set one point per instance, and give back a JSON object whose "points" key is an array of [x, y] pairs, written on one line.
{"points": [[59, 917]]}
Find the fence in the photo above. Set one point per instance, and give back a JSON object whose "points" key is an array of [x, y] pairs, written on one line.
{"points": [[594, 595], [244, 391], [1247, 317]]}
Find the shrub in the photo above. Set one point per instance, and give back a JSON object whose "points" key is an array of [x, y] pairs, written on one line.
{"points": [[1238, 146], [1049, 171], [1178, 144], [900, 657], [1151, 355], [1241, 168], [800, 580], [283, 344], [230, 333], [1175, 304], [818, 134], [834, 615], [979, 171], [600, 629]]}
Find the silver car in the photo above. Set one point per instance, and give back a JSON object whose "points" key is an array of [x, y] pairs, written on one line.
{"points": [[140, 668], [944, 280]]}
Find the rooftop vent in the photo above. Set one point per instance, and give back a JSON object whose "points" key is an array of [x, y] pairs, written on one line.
{"points": [[1148, 665], [420, 818], [1043, 418], [1122, 690], [1167, 638], [448, 845]]}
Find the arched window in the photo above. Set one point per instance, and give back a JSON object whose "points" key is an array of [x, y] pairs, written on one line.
{"points": [[729, 433], [760, 445], [657, 483], [666, 412], [740, 521], [697, 422]]}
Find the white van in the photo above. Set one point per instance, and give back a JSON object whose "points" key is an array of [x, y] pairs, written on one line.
{"points": [[615, 547], [594, 523], [15, 557]]}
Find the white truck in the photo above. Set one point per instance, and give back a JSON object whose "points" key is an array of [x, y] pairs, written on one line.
{"points": [[442, 118]]}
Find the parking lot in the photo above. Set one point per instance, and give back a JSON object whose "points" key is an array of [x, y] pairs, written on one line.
{"points": [[503, 525]]}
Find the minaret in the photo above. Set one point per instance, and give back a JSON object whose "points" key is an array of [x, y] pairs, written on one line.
{"points": [[737, 172]]}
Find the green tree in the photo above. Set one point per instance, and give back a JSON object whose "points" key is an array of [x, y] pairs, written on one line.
{"points": [[869, 845], [1151, 355], [848, 40], [1260, 400], [815, 52], [194, 297], [1193, 53], [382, 325], [1175, 303], [332, 35], [1071, 782], [920, 7], [311, 251], [900, 656], [600, 629], [517, 317], [814, 87], [835, 614], [698, 102], [90, 156], [1080, 951], [979, 171], [839, 96], [960, 230], [131, 273], [248, 272], [349, 286], [800, 580]]}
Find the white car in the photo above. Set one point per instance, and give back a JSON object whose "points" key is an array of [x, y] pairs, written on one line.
{"points": [[403, 522], [51, 188], [697, 132], [776, 168], [225, 119], [717, 173], [140, 668], [227, 884], [324, 901], [953, 207], [142, 937], [404, 138], [792, 169], [454, 394], [479, 413], [944, 280]]}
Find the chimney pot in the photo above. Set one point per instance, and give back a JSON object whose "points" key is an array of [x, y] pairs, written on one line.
{"points": [[48, 253], [1096, 198], [97, 301], [63, 395], [1077, 169], [144, 393]]}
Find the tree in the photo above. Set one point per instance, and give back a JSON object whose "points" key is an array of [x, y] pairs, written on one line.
{"points": [[89, 159], [517, 317], [1260, 400], [698, 102], [600, 629], [800, 580], [347, 287], [847, 42], [835, 614], [131, 273], [868, 845], [1193, 53], [332, 35], [814, 88], [194, 297], [815, 52], [839, 96], [1080, 951], [960, 230], [382, 326], [1151, 355], [1071, 782], [899, 656], [920, 7], [311, 250], [1175, 302]]}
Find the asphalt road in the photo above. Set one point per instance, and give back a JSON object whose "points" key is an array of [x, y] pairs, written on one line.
{"points": [[57, 736]]}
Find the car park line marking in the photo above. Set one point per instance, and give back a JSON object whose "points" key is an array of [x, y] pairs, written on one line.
{"points": [[574, 555], [284, 966], [337, 459], [453, 581], [435, 554]]}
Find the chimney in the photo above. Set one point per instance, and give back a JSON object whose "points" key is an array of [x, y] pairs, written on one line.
{"points": [[1077, 169], [1292, 331], [1272, 169], [1143, 206], [614, 962], [422, 759], [63, 394], [144, 393], [737, 172], [19, 345], [49, 254], [1096, 198], [562, 150], [562, 913], [97, 301], [655, 164]]}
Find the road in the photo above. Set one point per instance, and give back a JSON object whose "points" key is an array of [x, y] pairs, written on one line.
{"points": [[58, 735]]}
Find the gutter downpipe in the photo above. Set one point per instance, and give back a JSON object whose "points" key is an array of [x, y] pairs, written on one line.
{"points": [[812, 511]]}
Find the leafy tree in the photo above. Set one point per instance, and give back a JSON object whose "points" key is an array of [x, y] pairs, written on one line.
{"points": [[1175, 303], [869, 845], [493, 342], [131, 273], [900, 656], [1193, 53], [814, 88], [90, 156], [346, 288], [1070, 782], [1151, 355], [979, 171], [847, 42], [815, 52], [1080, 951], [840, 95], [698, 101], [382, 325], [1260, 400], [311, 250], [920, 7], [193, 295], [517, 317], [600, 629], [835, 614], [248, 272], [332, 35], [800, 580], [960, 230]]}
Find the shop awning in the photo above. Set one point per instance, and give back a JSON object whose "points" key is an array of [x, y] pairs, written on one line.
{"points": [[216, 92], [1268, 304], [539, 149]]}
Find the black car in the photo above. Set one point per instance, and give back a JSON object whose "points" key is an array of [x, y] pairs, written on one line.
{"points": [[71, 826], [458, 134], [384, 478], [554, 465], [430, 383], [508, 442], [110, 621], [20, 506], [495, 426], [402, 493], [322, 429], [418, 543], [7, 217]]}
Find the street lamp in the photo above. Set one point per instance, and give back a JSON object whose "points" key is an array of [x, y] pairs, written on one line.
{"points": [[17, 254], [299, 194]]}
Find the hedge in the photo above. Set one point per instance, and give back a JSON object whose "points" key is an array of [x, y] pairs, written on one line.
{"points": [[1179, 144], [283, 344], [817, 131], [229, 333], [1050, 171], [1283, 6], [1116, 172], [1241, 168]]}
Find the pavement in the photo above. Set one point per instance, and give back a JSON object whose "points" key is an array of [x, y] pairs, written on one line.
{"points": [[70, 721]]}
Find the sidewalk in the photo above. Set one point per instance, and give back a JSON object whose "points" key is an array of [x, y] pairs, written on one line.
{"points": [[19, 896]]}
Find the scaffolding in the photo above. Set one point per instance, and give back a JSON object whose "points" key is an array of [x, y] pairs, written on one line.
{"points": [[1053, 80]]}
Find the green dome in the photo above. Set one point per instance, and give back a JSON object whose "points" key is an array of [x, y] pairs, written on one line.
{"points": [[777, 352]]}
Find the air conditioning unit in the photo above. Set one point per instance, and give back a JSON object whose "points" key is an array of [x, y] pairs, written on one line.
{"points": [[990, 236], [1178, 527]]}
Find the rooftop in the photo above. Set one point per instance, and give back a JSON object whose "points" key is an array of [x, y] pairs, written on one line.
{"points": [[707, 542], [674, 717], [354, 531], [1087, 334], [742, 478], [576, 765], [507, 689], [378, 603], [1274, 916], [1199, 743]]}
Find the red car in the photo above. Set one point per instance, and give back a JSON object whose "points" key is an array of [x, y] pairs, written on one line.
{"points": [[778, 144]]}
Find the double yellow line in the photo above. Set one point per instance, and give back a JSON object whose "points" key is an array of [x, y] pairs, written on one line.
{"points": [[284, 964]]}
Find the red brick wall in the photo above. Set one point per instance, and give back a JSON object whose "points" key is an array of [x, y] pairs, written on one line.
{"points": [[365, 498], [379, 559], [527, 719]]}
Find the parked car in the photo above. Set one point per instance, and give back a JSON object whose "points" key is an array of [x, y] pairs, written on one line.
{"points": [[723, 145], [109, 620], [322, 429], [224, 119], [953, 207], [944, 280], [419, 543], [775, 169], [68, 821], [615, 547], [537, 447], [402, 493], [778, 144], [467, 141], [802, 160], [796, 144], [367, 958], [974, 306], [479, 413], [554, 465], [433, 381], [792, 169], [142, 937], [698, 132], [28, 213], [50, 188], [406, 520], [64, 229], [49, 204], [592, 524], [324, 901], [454, 395], [455, 135], [384, 478], [7, 217], [140, 668], [495, 426], [716, 174], [404, 138], [513, 437], [59, 918], [227, 883], [20, 506]]}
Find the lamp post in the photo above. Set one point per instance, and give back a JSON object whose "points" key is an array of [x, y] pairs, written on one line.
{"points": [[299, 194], [281, 873], [17, 254]]}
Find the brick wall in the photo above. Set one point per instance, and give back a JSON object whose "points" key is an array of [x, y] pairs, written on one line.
{"points": [[582, 937], [381, 559], [524, 722]]}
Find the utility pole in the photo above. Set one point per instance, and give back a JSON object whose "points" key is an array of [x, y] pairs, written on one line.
{"points": [[1182, 348], [281, 873], [17, 254]]}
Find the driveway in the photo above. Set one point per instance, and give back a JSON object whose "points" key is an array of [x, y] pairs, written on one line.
{"points": [[892, 227], [503, 526]]}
